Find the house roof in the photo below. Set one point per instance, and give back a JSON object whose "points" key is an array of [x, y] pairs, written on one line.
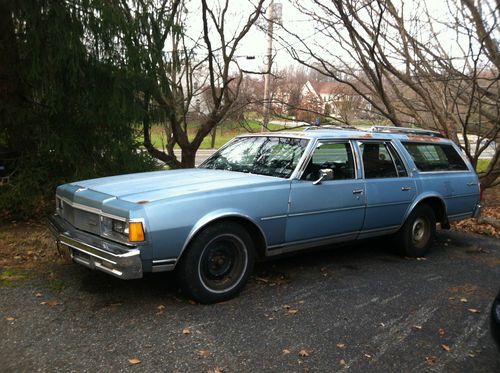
{"points": [[327, 87]]}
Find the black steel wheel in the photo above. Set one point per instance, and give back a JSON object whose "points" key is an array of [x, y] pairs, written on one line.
{"points": [[417, 234], [217, 263]]}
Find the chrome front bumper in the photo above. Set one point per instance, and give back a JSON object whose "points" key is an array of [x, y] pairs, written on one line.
{"points": [[95, 252]]}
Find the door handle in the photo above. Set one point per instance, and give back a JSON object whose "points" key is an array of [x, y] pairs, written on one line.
{"points": [[405, 189], [472, 184], [357, 191]]}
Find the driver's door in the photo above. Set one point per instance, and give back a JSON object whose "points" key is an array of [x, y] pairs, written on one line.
{"points": [[331, 208]]}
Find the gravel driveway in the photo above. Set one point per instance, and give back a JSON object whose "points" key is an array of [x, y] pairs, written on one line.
{"points": [[355, 308]]}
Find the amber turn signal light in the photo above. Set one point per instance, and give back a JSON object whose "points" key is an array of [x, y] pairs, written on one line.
{"points": [[135, 232]]}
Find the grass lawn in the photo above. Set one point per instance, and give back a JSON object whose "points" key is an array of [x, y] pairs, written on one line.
{"points": [[225, 132]]}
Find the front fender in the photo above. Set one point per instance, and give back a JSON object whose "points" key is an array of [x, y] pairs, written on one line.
{"points": [[218, 215]]}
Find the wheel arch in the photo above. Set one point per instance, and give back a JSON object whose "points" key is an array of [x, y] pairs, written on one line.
{"points": [[255, 231], [437, 204]]}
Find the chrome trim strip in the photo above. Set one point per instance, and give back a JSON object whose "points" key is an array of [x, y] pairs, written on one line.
{"points": [[325, 211], [388, 204], [463, 195], [466, 215], [266, 218], [304, 244], [164, 261], [380, 229]]}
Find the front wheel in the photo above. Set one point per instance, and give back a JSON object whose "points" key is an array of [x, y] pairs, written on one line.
{"points": [[416, 235], [217, 263]]}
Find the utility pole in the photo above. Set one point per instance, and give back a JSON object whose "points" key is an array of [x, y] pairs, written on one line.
{"points": [[267, 77]]}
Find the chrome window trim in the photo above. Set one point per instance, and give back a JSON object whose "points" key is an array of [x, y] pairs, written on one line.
{"points": [[320, 141], [386, 143], [392, 149]]}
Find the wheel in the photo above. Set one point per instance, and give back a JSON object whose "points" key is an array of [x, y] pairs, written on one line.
{"points": [[217, 263], [415, 237]]}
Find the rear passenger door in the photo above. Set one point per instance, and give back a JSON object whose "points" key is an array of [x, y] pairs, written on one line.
{"points": [[389, 188]]}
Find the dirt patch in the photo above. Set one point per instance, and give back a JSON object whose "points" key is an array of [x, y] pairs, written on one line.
{"points": [[26, 245]]}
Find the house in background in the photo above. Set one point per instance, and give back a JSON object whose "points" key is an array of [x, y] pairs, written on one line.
{"points": [[333, 99]]}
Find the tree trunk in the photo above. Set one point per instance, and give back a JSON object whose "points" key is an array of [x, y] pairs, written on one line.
{"points": [[188, 157]]}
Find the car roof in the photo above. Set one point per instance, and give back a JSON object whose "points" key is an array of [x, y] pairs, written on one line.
{"points": [[331, 134]]}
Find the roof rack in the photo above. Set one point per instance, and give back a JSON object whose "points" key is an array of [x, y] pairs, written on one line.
{"points": [[408, 130], [331, 127]]}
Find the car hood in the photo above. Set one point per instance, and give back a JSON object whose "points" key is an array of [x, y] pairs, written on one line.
{"points": [[152, 186]]}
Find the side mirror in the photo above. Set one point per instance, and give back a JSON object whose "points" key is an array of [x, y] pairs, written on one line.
{"points": [[325, 174]]}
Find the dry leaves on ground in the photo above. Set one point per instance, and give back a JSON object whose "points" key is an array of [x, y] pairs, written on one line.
{"points": [[186, 331], [203, 353], [474, 226], [303, 353]]}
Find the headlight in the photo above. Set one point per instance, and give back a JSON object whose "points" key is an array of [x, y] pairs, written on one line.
{"points": [[131, 231], [120, 227]]}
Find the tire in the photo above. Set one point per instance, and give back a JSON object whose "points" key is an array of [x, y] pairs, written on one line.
{"points": [[217, 263], [417, 234]]}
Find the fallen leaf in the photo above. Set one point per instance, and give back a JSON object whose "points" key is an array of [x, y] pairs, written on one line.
{"points": [[451, 298], [301, 302], [307, 370], [203, 353], [161, 307], [292, 311], [441, 332], [10, 318], [186, 331], [340, 345], [303, 353], [286, 351], [473, 310], [216, 370], [368, 356], [470, 354], [134, 361], [417, 327], [446, 348], [342, 362], [431, 360], [262, 279], [463, 300], [381, 324], [51, 303], [38, 295]]}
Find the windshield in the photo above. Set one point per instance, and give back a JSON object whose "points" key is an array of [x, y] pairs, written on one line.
{"points": [[271, 156]]}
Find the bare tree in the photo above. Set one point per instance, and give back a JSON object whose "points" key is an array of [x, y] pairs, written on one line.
{"points": [[398, 57], [183, 70]]}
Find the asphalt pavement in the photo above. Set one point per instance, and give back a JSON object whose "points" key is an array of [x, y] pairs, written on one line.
{"points": [[356, 308]]}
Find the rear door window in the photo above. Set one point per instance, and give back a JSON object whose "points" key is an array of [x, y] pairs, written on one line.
{"points": [[435, 157], [380, 160]]}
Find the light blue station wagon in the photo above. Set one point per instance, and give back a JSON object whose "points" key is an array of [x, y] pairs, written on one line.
{"points": [[264, 195]]}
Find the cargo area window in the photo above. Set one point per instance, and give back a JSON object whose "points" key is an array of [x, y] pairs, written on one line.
{"points": [[435, 157]]}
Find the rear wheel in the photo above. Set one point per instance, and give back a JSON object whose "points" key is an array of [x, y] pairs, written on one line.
{"points": [[217, 263], [415, 237]]}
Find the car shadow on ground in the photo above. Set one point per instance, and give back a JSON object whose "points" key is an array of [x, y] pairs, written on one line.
{"points": [[276, 271]]}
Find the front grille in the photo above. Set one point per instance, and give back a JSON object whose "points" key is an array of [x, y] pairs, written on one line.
{"points": [[80, 219]]}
